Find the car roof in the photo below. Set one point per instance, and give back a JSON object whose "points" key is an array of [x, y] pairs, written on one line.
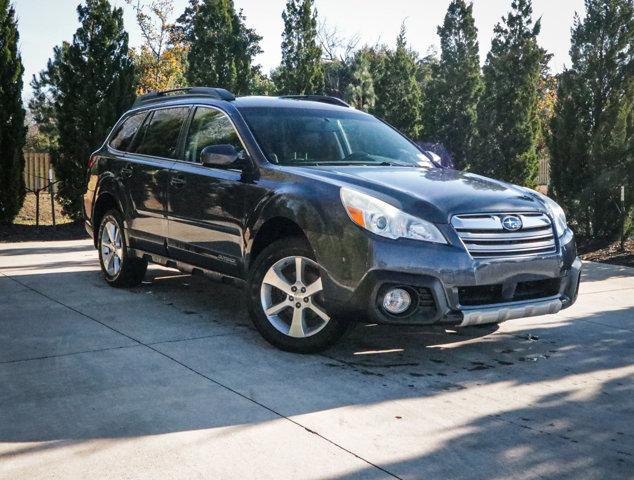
{"points": [[298, 102]]}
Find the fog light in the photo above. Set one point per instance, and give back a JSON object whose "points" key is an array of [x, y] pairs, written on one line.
{"points": [[397, 301]]}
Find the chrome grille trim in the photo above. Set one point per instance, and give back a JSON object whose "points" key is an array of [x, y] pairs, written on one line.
{"points": [[484, 236]]}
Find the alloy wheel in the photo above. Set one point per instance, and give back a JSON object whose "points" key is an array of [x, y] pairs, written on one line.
{"points": [[292, 298], [111, 248]]}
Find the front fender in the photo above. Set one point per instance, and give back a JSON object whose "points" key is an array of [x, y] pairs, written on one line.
{"points": [[340, 247]]}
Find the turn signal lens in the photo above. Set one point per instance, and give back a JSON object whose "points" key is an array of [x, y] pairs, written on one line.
{"points": [[356, 215]]}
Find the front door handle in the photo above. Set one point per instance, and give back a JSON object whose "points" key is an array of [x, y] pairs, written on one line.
{"points": [[127, 171], [177, 181]]}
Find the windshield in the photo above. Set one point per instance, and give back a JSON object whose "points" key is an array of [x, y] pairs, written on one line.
{"points": [[296, 136]]}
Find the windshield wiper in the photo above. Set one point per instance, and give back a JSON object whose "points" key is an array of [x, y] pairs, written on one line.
{"points": [[363, 157], [331, 163], [395, 164]]}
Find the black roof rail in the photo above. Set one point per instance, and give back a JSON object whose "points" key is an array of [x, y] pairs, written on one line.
{"points": [[318, 98], [217, 93]]}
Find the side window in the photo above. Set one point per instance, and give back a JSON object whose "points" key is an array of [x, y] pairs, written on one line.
{"points": [[126, 131], [160, 134], [209, 127]]}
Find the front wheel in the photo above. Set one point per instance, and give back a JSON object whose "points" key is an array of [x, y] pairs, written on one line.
{"points": [[286, 299]]}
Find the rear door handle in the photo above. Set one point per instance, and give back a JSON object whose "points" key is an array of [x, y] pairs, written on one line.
{"points": [[127, 171], [177, 181]]}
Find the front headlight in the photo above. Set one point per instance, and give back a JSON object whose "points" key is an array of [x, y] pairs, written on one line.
{"points": [[555, 211], [383, 219]]}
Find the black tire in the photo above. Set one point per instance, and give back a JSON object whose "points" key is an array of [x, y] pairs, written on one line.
{"points": [[132, 269], [333, 330]]}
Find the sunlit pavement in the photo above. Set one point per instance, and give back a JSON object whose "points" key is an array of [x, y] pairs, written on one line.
{"points": [[169, 380]]}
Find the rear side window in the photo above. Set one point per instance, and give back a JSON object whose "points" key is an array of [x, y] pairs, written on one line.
{"points": [[126, 131], [159, 136], [209, 127]]}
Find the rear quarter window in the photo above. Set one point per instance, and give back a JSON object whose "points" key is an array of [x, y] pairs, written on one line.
{"points": [[125, 133]]}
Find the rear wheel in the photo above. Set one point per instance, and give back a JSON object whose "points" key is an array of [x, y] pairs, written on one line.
{"points": [[286, 299], [118, 267]]}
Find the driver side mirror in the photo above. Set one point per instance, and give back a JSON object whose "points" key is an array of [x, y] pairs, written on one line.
{"points": [[222, 156]]}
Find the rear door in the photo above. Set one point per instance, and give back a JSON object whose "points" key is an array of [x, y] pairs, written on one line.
{"points": [[146, 176], [207, 206], [117, 160]]}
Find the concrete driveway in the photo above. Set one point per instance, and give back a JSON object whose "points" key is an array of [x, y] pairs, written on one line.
{"points": [[169, 380]]}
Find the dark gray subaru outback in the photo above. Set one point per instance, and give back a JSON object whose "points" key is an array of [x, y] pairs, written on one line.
{"points": [[326, 214]]}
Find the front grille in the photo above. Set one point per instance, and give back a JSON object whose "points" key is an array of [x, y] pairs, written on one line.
{"points": [[484, 236], [537, 289], [480, 295], [492, 294]]}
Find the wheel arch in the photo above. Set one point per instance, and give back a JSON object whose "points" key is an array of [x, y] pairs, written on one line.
{"points": [[105, 202], [271, 230], [297, 210]]}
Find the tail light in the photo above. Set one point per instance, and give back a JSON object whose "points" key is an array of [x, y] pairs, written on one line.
{"points": [[92, 160]]}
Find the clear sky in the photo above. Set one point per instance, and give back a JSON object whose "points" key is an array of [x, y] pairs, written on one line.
{"points": [[46, 23]]}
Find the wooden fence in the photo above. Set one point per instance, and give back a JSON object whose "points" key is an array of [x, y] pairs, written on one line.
{"points": [[543, 174], [36, 170]]}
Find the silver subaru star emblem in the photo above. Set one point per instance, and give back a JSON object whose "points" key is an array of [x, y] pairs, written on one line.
{"points": [[511, 223]]}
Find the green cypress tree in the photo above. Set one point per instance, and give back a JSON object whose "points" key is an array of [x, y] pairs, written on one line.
{"points": [[301, 71], [87, 85], [453, 93], [12, 130], [221, 47], [399, 94], [593, 127], [41, 103], [360, 92], [508, 117]]}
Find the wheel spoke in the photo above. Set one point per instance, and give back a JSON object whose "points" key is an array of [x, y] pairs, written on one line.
{"points": [[275, 309], [108, 262], [323, 315], [275, 279], [297, 324], [314, 287], [112, 232], [116, 264], [299, 270]]}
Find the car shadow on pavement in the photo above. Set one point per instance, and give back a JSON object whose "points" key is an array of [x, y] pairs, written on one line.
{"points": [[554, 397]]}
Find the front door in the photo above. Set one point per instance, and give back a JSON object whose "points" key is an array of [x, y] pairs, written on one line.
{"points": [[207, 206], [146, 176]]}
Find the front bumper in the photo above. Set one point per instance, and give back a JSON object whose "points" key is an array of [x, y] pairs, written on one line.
{"points": [[444, 272]]}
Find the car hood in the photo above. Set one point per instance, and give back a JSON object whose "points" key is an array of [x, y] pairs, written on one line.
{"points": [[431, 193]]}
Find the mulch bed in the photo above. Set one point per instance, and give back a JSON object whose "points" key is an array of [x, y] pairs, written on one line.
{"points": [[610, 253], [25, 230]]}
